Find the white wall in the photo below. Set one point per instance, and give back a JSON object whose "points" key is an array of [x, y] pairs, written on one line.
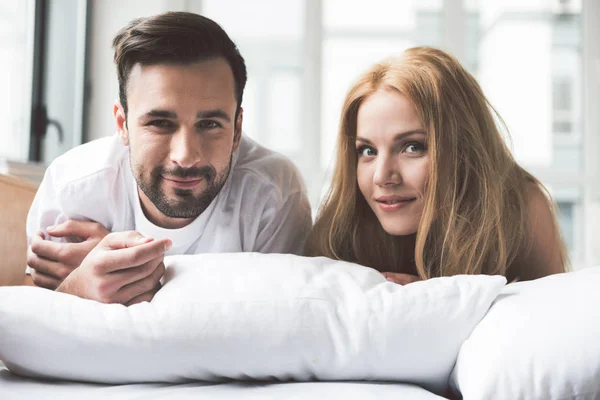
{"points": [[107, 17]]}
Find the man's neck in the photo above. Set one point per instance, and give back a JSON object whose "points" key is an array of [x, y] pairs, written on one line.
{"points": [[159, 219]]}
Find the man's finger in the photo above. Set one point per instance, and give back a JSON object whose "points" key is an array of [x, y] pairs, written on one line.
{"points": [[82, 229], [128, 257], [123, 240], [45, 281], [51, 268], [126, 276], [39, 247], [148, 296], [67, 253], [147, 284]]}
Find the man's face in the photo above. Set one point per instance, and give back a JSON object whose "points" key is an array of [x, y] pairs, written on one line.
{"points": [[181, 132]]}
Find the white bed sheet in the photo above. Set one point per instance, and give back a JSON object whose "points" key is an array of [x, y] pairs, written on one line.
{"points": [[15, 387]]}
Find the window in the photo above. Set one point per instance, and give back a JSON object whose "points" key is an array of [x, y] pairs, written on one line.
{"points": [[566, 72], [566, 218], [269, 34], [42, 54], [16, 71], [355, 36], [529, 63], [562, 105], [528, 56]]}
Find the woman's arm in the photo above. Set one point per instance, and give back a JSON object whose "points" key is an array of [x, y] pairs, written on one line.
{"points": [[544, 253]]}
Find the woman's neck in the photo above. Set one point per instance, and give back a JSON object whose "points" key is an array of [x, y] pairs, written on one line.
{"points": [[407, 252]]}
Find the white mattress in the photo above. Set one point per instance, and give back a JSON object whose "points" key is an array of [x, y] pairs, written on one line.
{"points": [[14, 387]]}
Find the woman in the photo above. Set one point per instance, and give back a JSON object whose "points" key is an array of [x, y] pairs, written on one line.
{"points": [[424, 184]]}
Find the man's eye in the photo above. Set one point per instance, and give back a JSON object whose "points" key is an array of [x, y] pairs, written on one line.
{"points": [[366, 151], [208, 124], [161, 123]]}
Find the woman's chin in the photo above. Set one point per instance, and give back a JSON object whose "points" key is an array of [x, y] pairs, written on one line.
{"points": [[393, 229]]}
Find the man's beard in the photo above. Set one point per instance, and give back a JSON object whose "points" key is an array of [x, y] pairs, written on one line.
{"points": [[185, 205]]}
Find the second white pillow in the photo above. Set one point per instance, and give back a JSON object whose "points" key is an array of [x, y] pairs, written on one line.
{"points": [[539, 340]]}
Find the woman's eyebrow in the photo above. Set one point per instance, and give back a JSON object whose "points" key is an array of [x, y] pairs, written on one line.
{"points": [[408, 133], [397, 137]]}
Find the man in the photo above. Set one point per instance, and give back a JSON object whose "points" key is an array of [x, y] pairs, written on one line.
{"points": [[179, 178]]}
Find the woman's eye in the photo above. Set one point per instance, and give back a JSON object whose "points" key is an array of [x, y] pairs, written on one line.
{"points": [[366, 151], [414, 147], [208, 124]]}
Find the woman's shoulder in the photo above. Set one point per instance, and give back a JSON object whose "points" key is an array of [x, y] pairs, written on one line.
{"points": [[543, 250]]}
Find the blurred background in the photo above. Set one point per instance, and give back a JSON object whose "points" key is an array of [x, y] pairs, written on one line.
{"points": [[538, 61]]}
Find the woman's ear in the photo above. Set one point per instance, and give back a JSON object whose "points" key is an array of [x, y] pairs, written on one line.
{"points": [[121, 120]]}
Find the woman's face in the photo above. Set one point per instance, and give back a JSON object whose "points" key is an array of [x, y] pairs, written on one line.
{"points": [[393, 163]]}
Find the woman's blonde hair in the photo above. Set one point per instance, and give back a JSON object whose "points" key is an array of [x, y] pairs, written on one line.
{"points": [[474, 218]]}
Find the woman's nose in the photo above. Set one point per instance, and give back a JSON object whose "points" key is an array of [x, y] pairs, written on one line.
{"points": [[387, 172]]}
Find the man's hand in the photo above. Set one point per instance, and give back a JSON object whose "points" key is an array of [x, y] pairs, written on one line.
{"points": [[52, 262], [124, 268], [400, 279]]}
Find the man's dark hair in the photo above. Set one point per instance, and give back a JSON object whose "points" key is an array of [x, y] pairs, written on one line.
{"points": [[175, 38]]}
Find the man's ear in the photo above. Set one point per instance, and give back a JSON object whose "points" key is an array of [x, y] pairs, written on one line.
{"points": [[121, 121], [237, 135]]}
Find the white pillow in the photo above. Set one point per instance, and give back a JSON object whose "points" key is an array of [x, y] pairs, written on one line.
{"points": [[540, 340], [250, 316]]}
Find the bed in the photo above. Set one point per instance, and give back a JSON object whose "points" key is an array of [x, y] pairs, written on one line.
{"points": [[15, 387]]}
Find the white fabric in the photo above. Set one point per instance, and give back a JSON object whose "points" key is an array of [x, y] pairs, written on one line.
{"points": [[540, 340], [250, 316], [13, 387], [263, 206]]}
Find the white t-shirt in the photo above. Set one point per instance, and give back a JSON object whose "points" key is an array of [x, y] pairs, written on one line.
{"points": [[262, 207]]}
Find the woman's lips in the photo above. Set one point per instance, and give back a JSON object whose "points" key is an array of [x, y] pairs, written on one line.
{"points": [[393, 203]]}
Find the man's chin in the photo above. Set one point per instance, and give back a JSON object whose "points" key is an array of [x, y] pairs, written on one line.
{"points": [[183, 205], [178, 194], [180, 212]]}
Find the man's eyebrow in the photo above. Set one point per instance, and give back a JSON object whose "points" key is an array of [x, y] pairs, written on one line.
{"points": [[396, 138], [215, 113], [158, 114]]}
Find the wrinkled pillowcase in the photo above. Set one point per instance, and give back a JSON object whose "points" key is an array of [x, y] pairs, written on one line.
{"points": [[250, 316], [540, 340]]}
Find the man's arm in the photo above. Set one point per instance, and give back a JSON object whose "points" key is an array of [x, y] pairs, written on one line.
{"points": [[285, 227], [54, 252], [51, 262]]}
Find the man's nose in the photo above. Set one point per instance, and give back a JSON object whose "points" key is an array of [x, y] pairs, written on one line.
{"points": [[185, 148]]}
